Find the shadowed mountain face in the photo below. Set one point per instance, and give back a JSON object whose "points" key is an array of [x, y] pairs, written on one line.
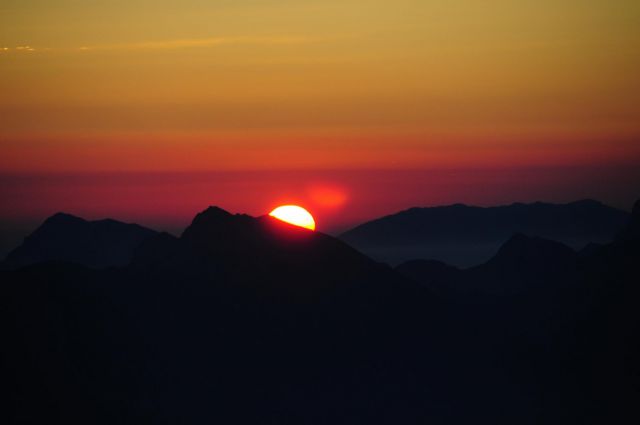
{"points": [[464, 236], [632, 230], [63, 237], [240, 320], [565, 320], [240, 249], [521, 266], [251, 320]]}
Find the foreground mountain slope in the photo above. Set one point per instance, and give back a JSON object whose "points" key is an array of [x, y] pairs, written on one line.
{"points": [[240, 320], [464, 235], [63, 237], [250, 320], [568, 321]]}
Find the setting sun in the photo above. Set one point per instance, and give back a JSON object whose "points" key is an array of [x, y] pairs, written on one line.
{"points": [[295, 215]]}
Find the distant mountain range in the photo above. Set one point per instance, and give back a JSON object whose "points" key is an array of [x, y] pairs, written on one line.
{"points": [[252, 320], [464, 235], [521, 265], [459, 235], [64, 237]]}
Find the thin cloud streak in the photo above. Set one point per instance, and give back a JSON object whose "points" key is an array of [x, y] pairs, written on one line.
{"points": [[184, 43], [18, 49], [203, 42]]}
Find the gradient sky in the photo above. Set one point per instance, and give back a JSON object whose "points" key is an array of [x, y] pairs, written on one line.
{"points": [[94, 88]]}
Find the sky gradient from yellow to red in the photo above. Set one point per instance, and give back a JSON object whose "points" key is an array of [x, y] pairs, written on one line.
{"points": [[455, 88]]}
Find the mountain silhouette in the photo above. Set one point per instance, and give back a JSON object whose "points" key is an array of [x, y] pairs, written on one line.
{"points": [[632, 230], [521, 264], [239, 320], [565, 320], [251, 320], [243, 249], [465, 235], [64, 237]]}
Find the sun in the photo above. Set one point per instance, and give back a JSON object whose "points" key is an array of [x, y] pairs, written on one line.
{"points": [[295, 215]]}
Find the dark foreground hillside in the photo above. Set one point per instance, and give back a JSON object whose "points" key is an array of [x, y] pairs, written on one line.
{"points": [[249, 320]]}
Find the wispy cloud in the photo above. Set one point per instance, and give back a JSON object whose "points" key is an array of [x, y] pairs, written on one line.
{"points": [[203, 42], [183, 43], [17, 49]]}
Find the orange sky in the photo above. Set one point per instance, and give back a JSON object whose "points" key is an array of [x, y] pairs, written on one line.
{"points": [[195, 86]]}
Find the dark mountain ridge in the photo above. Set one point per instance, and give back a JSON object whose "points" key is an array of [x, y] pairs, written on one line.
{"points": [[251, 320], [465, 235], [64, 237], [522, 264], [568, 321], [256, 317], [239, 248]]}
